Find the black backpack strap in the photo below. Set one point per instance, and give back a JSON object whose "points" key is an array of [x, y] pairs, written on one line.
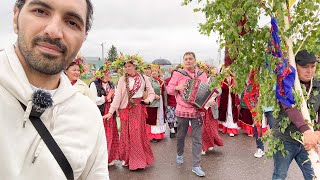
{"points": [[183, 72], [199, 73], [51, 144]]}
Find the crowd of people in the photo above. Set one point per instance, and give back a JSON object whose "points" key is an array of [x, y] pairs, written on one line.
{"points": [[63, 128], [147, 103]]}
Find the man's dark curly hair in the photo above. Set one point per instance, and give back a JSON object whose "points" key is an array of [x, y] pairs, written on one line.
{"points": [[19, 4]]}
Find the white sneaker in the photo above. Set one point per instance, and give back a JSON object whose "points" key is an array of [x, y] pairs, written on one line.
{"points": [[210, 148], [259, 153], [172, 130], [124, 163], [203, 153], [231, 135], [112, 163], [198, 171]]}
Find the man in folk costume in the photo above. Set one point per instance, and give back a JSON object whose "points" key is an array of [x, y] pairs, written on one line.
{"points": [[187, 112], [102, 92], [210, 134], [74, 71], [48, 130], [135, 150], [156, 126], [306, 67]]}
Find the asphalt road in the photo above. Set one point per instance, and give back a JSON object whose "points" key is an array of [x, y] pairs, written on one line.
{"points": [[233, 161]]}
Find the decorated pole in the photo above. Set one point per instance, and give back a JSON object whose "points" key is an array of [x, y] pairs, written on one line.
{"points": [[313, 155]]}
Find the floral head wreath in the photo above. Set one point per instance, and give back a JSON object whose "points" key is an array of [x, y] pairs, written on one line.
{"points": [[207, 68], [153, 66], [105, 67], [79, 60], [179, 66], [124, 58], [145, 66]]}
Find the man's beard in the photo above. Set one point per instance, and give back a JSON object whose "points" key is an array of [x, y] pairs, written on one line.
{"points": [[41, 62]]}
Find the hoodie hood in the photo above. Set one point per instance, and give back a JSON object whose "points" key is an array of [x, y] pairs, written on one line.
{"points": [[17, 83]]}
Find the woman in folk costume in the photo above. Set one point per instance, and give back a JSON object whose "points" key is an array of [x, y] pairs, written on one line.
{"points": [[210, 135], [170, 110], [249, 98], [102, 92], [156, 126], [74, 71], [245, 117], [135, 150], [228, 110], [147, 70]]}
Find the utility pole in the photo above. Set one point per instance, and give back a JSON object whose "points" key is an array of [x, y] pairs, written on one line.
{"points": [[102, 51]]}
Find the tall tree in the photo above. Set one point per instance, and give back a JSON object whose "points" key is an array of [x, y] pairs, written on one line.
{"points": [[112, 54], [299, 28]]}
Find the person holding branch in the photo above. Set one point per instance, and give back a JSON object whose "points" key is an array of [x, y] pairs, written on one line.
{"points": [[306, 67]]}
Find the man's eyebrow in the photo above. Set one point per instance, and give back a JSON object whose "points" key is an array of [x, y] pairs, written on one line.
{"points": [[70, 13], [40, 3], [75, 15]]}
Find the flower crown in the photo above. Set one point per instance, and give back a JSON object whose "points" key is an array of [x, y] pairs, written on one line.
{"points": [[207, 68], [179, 66], [79, 60], [123, 59], [155, 66], [105, 67]]}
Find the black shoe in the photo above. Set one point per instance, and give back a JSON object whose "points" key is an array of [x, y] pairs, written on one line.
{"points": [[154, 140], [172, 135], [176, 129]]}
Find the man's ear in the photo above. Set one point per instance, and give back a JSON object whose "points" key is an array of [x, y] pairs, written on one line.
{"points": [[16, 12], [85, 38]]}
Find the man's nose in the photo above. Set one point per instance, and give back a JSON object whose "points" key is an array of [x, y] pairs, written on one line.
{"points": [[54, 28]]}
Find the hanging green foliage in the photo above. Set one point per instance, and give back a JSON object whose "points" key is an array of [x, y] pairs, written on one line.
{"points": [[233, 17]]}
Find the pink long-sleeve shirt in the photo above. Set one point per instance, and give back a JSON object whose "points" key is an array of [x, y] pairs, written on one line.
{"points": [[183, 108]]}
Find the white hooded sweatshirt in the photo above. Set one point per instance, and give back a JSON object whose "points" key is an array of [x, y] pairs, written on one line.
{"points": [[74, 122]]}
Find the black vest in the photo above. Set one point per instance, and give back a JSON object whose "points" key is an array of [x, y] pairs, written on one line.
{"points": [[102, 92], [312, 103]]}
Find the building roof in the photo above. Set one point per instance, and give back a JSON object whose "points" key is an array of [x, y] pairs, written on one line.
{"points": [[95, 62]]}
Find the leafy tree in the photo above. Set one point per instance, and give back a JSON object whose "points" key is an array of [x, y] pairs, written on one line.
{"points": [[233, 17], [112, 54]]}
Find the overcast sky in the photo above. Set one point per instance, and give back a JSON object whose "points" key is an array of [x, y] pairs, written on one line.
{"points": [[152, 28]]}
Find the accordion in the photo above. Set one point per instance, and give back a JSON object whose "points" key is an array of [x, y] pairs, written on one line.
{"points": [[196, 93]]}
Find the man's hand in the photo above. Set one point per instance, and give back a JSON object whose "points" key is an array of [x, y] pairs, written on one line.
{"points": [[180, 87], [317, 133], [310, 140]]}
